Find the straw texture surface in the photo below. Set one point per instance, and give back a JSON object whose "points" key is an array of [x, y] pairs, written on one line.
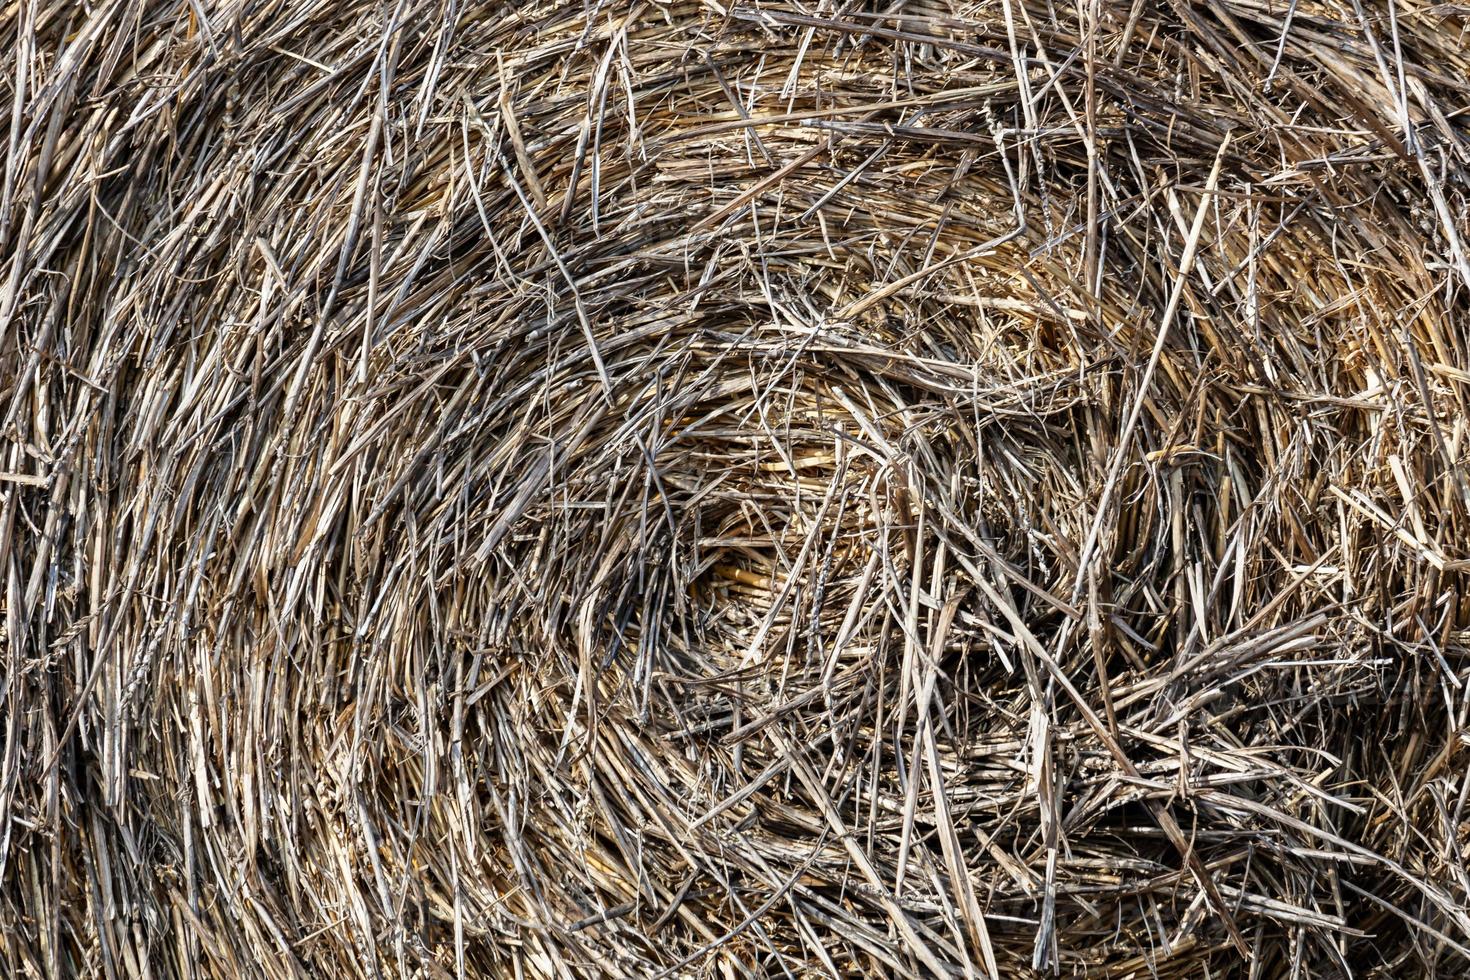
{"points": [[748, 489]]}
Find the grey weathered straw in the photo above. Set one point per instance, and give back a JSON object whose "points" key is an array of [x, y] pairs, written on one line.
{"points": [[759, 489]]}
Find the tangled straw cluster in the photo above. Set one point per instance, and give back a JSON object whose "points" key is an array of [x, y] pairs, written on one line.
{"points": [[691, 489]]}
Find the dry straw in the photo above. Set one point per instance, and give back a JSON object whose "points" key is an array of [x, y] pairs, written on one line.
{"points": [[734, 489]]}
